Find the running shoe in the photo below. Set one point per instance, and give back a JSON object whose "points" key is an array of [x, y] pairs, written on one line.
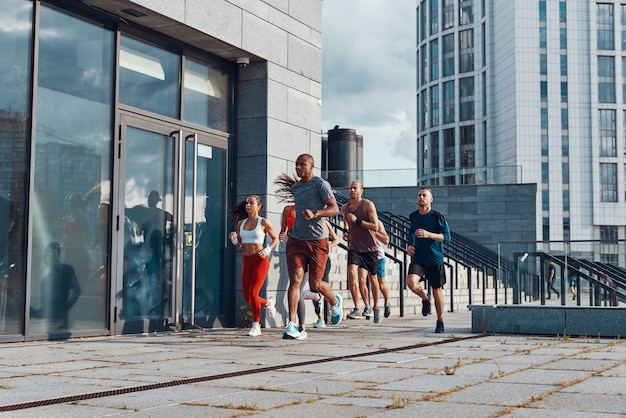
{"points": [[271, 307], [255, 331], [367, 312], [426, 307], [303, 335], [377, 318], [355, 314], [439, 327], [337, 311], [387, 310], [320, 324], [291, 332]]}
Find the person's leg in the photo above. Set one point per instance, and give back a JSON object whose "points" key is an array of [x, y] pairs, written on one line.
{"points": [[370, 262], [413, 283], [353, 284], [293, 292], [318, 256], [381, 280], [246, 277], [301, 304], [258, 278], [363, 287], [439, 302]]}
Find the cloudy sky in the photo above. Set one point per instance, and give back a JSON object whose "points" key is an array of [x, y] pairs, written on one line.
{"points": [[368, 77]]}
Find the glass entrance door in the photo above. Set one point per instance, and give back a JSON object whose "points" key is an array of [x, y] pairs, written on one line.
{"points": [[171, 255], [147, 227], [204, 284]]}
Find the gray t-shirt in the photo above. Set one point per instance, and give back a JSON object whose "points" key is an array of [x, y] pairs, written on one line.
{"points": [[310, 195]]}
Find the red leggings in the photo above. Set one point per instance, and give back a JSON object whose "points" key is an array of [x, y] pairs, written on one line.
{"points": [[253, 275]]}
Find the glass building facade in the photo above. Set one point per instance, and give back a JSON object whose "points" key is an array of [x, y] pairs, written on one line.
{"points": [[527, 92], [117, 143]]}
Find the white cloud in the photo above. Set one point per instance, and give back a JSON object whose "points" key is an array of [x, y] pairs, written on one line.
{"points": [[368, 76]]}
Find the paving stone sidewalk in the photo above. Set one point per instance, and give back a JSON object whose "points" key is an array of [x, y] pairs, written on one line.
{"points": [[398, 368]]}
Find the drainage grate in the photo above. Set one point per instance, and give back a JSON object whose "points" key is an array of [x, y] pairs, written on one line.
{"points": [[180, 382]]}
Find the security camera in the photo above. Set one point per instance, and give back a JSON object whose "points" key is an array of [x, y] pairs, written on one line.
{"points": [[243, 61]]}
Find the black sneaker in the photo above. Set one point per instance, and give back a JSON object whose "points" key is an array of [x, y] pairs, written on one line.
{"points": [[439, 327], [426, 307], [387, 310]]}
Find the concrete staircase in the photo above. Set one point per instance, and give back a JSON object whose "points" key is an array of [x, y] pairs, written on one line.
{"points": [[456, 292]]}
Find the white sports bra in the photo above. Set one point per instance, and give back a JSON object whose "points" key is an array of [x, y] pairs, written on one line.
{"points": [[255, 236]]}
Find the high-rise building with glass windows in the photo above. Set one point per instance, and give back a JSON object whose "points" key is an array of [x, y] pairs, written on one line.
{"points": [[528, 91]]}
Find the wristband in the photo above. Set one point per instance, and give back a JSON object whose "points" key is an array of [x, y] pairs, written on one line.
{"points": [[358, 221], [315, 215], [267, 250], [235, 241]]}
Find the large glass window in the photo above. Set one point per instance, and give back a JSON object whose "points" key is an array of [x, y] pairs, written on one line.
{"points": [[608, 182], [468, 146], [623, 79], [563, 64], [543, 91], [434, 150], [434, 106], [623, 14], [434, 60], [15, 120], [563, 38], [605, 26], [149, 78], [466, 100], [606, 79], [448, 55], [564, 118], [608, 133], [466, 47], [205, 95], [434, 17], [562, 12], [466, 12], [542, 10], [448, 147], [448, 14], [448, 102], [564, 92], [70, 205]]}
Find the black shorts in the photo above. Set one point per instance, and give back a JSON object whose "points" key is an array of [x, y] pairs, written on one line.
{"points": [[367, 261], [436, 275]]}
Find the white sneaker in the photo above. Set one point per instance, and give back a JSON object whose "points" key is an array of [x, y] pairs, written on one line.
{"points": [[271, 307], [255, 331], [309, 295], [303, 335]]}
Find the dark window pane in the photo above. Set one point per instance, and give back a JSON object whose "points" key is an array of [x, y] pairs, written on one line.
{"points": [[149, 77], [72, 175]]}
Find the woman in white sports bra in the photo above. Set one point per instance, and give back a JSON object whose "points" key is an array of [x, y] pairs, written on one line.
{"points": [[249, 234]]}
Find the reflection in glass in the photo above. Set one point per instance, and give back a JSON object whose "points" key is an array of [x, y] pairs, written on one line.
{"points": [[149, 77], [206, 208], [206, 96], [15, 76], [71, 197], [148, 226]]}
